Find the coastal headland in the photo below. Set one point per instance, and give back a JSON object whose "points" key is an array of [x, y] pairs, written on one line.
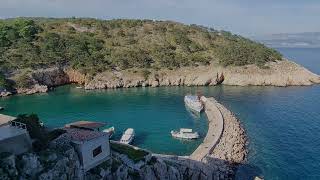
{"points": [[99, 54]]}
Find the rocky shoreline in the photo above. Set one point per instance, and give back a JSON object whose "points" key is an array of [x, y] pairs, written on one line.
{"points": [[281, 73]]}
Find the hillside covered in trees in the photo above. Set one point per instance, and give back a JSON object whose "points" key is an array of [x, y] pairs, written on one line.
{"points": [[92, 46]]}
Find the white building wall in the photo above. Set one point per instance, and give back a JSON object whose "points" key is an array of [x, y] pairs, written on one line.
{"points": [[17, 144], [88, 161]]}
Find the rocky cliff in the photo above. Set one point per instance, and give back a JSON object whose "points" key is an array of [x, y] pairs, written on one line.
{"points": [[280, 73]]}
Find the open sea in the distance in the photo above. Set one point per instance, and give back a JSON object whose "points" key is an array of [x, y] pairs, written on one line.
{"points": [[282, 124]]}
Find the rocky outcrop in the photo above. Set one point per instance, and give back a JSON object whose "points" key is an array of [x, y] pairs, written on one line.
{"points": [[74, 76], [46, 165], [31, 165], [50, 77], [43, 79], [280, 73], [64, 164], [5, 93], [155, 168], [33, 89]]}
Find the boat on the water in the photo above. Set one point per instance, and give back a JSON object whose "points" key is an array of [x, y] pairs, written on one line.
{"points": [[79, 87], [127, 136], [110, 131], [193, 102], [1, 108], [185, 133]]}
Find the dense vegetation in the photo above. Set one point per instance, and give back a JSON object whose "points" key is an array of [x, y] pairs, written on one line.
{"points": [[91, 45], [37, 132], [134, 154]]}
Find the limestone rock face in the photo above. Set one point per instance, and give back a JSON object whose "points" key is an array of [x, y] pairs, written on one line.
{"points": [[33, 89], [5, 93], [50, 77], [75, 76], [58, 163], [8, 165], [280, 73], [31, 165]]}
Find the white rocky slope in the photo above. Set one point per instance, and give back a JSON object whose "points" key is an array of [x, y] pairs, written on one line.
{"points": [[280, 73]]}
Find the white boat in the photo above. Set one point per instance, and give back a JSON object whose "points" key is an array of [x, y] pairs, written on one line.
{"points": [[185, 134], [110, 131], [127, 136], [79, 87], [193, 102]]}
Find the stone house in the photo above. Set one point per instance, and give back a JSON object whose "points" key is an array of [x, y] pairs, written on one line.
{"points": [[91, 145], [14, 137]]}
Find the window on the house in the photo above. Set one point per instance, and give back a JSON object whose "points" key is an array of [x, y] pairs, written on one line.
{"points": [[96, 151]]}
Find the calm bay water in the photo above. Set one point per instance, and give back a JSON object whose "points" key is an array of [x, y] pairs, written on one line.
{"points": [[283, 124]]}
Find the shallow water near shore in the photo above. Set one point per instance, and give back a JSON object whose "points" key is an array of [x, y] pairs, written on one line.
{"points": [[282, 124]]}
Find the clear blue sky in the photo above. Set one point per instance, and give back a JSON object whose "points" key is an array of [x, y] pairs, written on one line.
{"points": [[246, 17]]}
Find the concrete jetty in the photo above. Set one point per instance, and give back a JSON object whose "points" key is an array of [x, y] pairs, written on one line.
{"points": [[223, 148], [215, 130]]}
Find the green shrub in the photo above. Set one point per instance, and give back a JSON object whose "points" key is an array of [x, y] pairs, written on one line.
{"points": [[40, 135], [23, 81], [134, 154], [145, 73], [36, 131], [37, 43], [5, 83]]}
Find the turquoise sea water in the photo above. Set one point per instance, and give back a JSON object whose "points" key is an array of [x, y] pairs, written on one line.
{"points": [[282, 124]]}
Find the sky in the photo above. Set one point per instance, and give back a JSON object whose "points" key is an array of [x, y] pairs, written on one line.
{"points": [[245, 17]]}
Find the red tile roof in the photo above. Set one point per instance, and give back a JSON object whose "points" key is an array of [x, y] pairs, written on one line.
{"points": [[83, 135], [5, 119], [86, 124]]}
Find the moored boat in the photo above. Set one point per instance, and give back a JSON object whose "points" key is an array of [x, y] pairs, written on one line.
{"points": [[127, 136], [110, 131], [193, 102], [185, 133]]}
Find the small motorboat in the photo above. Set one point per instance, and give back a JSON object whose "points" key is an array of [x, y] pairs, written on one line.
{"points": [[79, 87], [127, 136], [185, 133], [193, 102], [110, 131]]}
